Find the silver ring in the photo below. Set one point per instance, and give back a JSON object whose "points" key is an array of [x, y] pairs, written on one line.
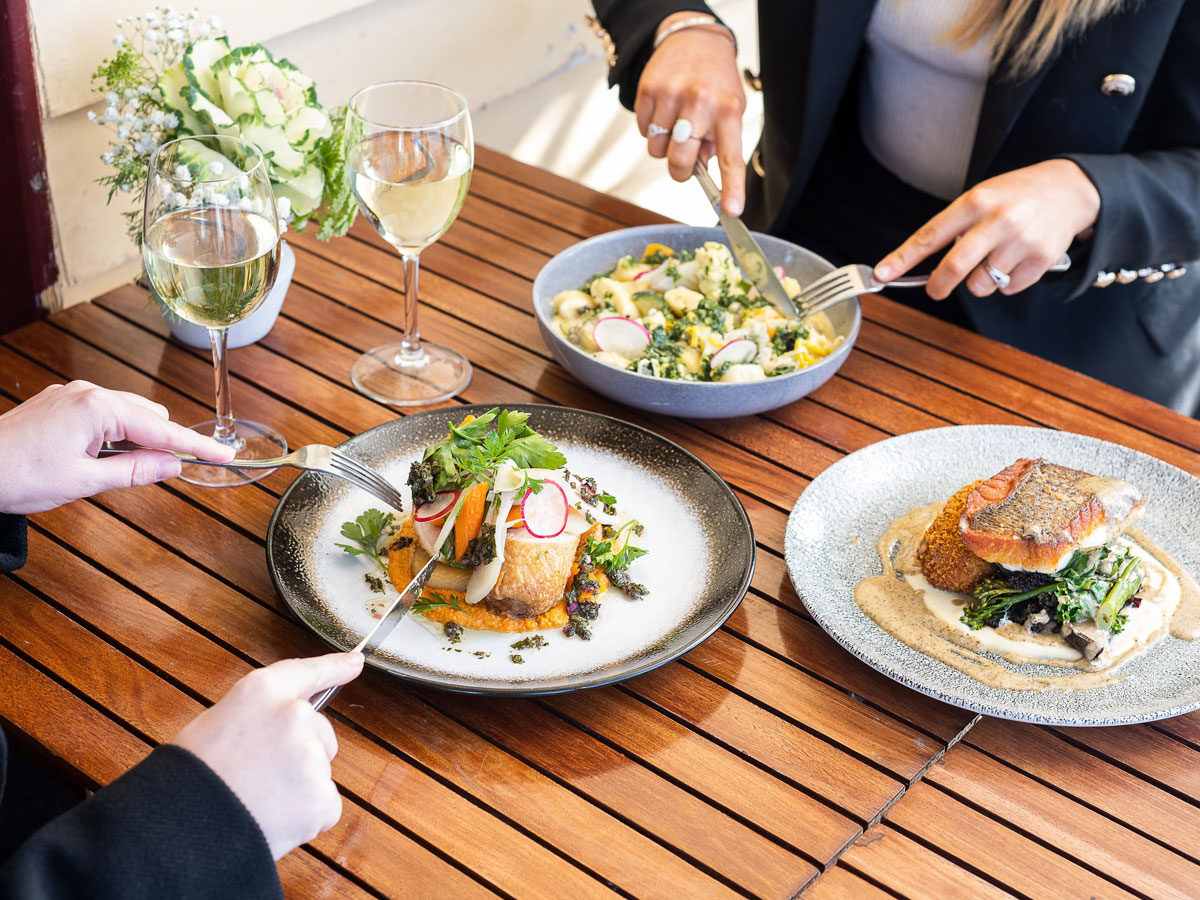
{"points": [[1000, 278], [682, 131], [656, 130]]}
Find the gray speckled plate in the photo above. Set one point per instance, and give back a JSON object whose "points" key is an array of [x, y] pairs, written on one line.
{"points": [[833, 529], [698, 569]]}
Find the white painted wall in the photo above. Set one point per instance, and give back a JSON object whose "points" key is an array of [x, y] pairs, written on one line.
{"points": [[532, 72]]}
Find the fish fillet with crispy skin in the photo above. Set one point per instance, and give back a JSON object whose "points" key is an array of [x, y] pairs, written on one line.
{"points": [[1035, 514], [945, 560]]}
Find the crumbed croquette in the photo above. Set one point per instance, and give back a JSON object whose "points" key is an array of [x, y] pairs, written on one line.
{"points": [[944, 558]]}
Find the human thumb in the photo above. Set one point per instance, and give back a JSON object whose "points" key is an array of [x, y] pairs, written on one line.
{"points": [[134, 469]]}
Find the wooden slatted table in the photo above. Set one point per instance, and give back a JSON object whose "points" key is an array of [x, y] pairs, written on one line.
{"points": [[766, 763]]}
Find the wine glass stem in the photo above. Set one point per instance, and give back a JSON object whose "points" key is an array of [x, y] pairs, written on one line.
{"points": [[412, 337], [226, 431]]}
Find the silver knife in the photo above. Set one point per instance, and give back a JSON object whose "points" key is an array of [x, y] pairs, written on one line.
{"points": [[746, 250], [384, 627]]}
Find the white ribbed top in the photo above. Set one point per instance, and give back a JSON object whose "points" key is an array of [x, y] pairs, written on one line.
{"points": [[920, 97]]}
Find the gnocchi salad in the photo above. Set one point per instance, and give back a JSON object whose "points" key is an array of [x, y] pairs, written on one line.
{"points": [[689, 315]]}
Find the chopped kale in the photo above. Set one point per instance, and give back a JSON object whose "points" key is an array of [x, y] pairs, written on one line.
{"points": [[657, 258], [374, 582], [533, 642], [786, 337], [422, 478], [685, 255], [516, 658], [712, 314], [481, 550], [453, 631]]}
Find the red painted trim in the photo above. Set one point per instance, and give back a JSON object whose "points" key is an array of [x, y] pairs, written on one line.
{"points": [[27, 257]]}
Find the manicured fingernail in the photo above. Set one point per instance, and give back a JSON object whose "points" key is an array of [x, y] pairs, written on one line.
{"points": [[885, 271], [733, 206]]}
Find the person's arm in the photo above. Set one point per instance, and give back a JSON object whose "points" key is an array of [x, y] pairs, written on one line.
{"points": [[1150, 200], [632, 25], [1139, 208], [691, 75], [243, 784], [169, 827], [12, 542]]}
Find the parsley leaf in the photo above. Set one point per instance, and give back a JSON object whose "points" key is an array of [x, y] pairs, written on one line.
{"points": [[475, 449], [428, 600], [366, 531]]}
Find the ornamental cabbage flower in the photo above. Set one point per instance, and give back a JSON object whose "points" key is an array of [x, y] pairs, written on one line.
{"points": [[247, 93]]}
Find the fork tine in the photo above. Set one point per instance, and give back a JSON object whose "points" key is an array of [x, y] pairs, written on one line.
{"points": [[832, 300], [365, 476], [833, 287], [821, 282]]}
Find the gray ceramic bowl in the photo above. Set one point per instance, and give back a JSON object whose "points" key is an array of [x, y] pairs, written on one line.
{"points": [[691, 399]]}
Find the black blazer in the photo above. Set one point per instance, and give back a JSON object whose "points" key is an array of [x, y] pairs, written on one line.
{"points": [[1142, 151], [167, 828]]}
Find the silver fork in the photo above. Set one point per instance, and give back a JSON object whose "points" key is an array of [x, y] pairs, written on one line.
{"points": [[312, 457], [851, 281]]}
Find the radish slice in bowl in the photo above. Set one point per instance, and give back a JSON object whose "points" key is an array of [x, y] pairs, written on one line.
{"points": [[545, 513], [740, 350], [441, 504], [617, 334]]}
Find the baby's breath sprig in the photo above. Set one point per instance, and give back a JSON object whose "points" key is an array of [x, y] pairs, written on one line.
{"points": [[134, 109]]}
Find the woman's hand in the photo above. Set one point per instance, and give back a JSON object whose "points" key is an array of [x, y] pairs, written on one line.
{"points": [[267, 743], [693, 75], [1021, 222], [49, 445]]}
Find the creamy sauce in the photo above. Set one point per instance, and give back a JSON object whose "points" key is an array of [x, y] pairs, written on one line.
{"points": [[925, 618]]}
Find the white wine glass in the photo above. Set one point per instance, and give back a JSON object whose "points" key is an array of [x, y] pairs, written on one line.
{"points": [[210, 244], [409, 155]]}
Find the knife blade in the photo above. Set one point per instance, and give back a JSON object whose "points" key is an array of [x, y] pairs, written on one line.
{"points": [[746, 250], [384, 627]]}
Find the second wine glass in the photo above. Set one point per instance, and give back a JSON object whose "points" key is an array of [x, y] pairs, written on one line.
{"points": [[409, 155]]}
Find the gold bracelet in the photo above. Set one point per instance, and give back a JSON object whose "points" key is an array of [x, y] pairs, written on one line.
{"points": [[610, 49], [694, 22]]}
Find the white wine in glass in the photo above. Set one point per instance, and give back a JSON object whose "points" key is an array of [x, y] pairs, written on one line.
{"points": [[409, 155], [210, 244]]}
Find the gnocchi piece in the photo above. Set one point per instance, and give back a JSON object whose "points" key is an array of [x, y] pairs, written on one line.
{"points": [[717, 273], [628, 269], [608, 291], [682, 300], [743, 373], [611, 359], [572, 304]]}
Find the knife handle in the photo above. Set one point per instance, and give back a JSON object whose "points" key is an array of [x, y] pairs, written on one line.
{"points": [[319, 700]]}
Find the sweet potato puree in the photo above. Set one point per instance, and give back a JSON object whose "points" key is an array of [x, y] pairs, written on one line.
{"points": [[479, 616]]}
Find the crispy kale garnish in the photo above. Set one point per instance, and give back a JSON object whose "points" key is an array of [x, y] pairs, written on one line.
{"points": [[474, 450], [482, 549], [421, 479]]}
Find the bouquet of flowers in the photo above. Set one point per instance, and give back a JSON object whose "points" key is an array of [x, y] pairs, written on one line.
{"points": [[175, 74]]}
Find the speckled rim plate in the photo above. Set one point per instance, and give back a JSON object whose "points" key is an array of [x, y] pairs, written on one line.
{"points": [[307, 505], [834, 527]]}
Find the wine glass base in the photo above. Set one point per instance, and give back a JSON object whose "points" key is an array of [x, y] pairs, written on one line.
{"points": [[389, 375], [255, 441]]}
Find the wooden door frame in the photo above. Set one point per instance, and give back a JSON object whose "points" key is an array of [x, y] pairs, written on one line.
{"points": [[27, 255]]}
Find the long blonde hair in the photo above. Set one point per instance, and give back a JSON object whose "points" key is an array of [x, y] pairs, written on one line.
{"points": [[1028, 33]]}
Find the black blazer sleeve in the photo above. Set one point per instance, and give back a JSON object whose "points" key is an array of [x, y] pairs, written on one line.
{"points": [[1150, 196], [12, 542], [631, 25], [169, 827]]}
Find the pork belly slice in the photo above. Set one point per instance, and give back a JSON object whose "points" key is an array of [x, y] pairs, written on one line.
{"points": [[534, 574], [1035, 514]]}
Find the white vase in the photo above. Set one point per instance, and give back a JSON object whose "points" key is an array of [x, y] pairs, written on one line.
{"points": [[256, 325]]}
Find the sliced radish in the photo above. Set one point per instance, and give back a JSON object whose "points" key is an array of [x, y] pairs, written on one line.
{"points": [[441, 504], [779, 273], [545, 513], [651, 272], [620, 335], [427, 533], [741, 350]]}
